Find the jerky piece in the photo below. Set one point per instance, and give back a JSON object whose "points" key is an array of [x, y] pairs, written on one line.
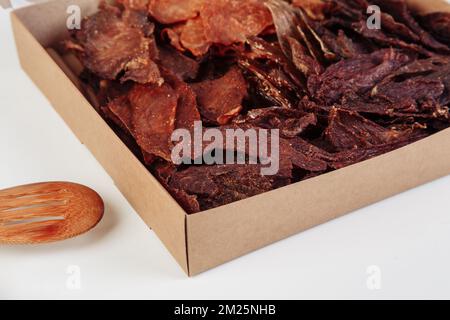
{"points": [[221, 22], [263, 50], [223, 184], [380, 37], [346, 47], [172, 11], [288, 25], [347, 158], [400, 110], [343, 10], [173, 37], [192, 36], [140, 5], [142, 70], [265, 85], [420, 67], [283, 72], [365, 105], [187, 110], [108, 46], [348, 130], [164, 172], [313, 29], [290, 122], [153, 118], [439, 24], [443, 75], [220, 100], [304, 155], [182, 66], [408, 95], [230, 21], [120, 111], [188, 202], [399, 10], [357, 75], [305, 63], [390, 25], [314, 8], [139, 19]]}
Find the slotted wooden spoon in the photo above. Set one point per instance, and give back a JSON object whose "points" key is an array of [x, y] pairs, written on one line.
{"points": [[47, 212]]}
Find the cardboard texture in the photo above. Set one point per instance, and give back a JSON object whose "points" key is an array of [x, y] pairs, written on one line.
{"points": [[202, 241]]}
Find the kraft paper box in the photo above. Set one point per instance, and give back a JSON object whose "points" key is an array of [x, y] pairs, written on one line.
{"points": [[205, 240]]}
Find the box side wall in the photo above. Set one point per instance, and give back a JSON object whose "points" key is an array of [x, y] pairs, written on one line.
{"points": [[222, 234], [156, 207]]}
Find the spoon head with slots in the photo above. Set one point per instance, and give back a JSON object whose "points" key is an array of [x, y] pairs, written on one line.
{"points": [[47, 212]]}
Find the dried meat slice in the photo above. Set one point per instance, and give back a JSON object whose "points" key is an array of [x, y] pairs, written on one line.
{"points": [[220, 100], [221, 22], [187, 111], [192, 37], [438, 23], [379, 37], [182, 66], [345, 46], [347, 158], [164, 171], [399, 10], [275, 89], [389, 24], [409, 95], [141, 5], [219, 185], [230, 21], [271, 52], [357, 75], [153, 118], [108, 46], [290, 122], [314, 8], [348, 130], [120, 111], [305, 63], [143, 70], [173, 11], [305, 155]]}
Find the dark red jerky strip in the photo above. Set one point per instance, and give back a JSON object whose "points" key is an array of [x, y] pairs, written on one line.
{"points": [[220, 100]]}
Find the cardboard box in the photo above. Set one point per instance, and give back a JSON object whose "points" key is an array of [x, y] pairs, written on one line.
{"points": [[207, 239]]}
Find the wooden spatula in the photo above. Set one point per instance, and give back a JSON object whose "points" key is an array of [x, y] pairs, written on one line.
{"points": [[47, 212]]}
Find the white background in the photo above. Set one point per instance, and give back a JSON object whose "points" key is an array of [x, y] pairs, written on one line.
{"points": [[406, 238]]}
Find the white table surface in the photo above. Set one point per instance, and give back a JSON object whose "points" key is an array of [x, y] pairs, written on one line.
{"points": [[401, 245]]}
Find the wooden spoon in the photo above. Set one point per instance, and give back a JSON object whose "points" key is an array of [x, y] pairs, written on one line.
{"points": [[47, 212]]}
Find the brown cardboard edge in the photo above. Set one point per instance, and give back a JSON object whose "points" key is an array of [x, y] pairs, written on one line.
{"points": [[154, 204]]}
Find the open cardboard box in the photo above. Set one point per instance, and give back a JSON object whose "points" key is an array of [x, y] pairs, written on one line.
{"points": [[204, 240]]}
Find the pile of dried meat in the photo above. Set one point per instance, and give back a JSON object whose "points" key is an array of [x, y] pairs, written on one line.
{"points": [[339, 91]]}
